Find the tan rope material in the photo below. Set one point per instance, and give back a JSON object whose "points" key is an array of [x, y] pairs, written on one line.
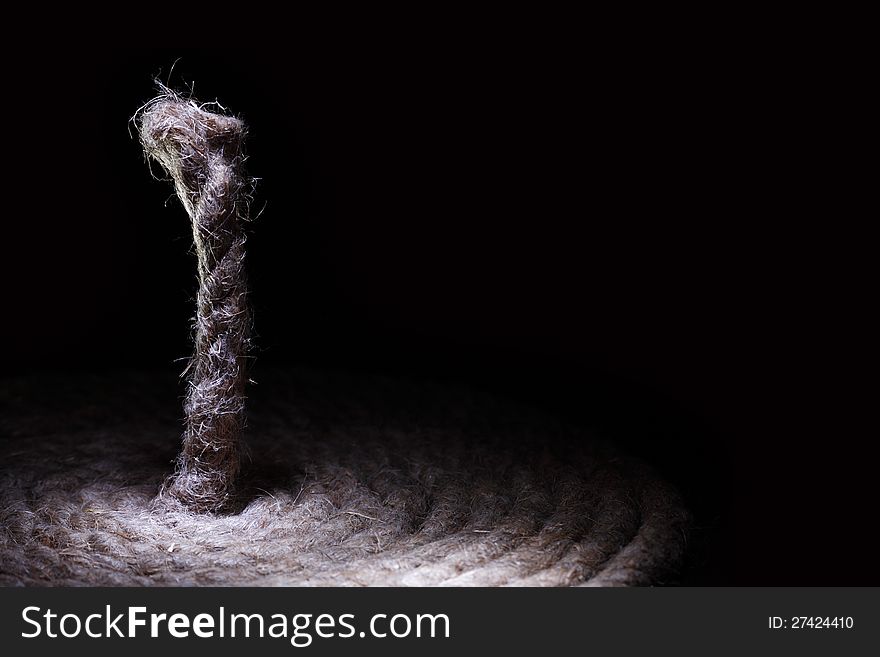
{"points": [[202, 151]]}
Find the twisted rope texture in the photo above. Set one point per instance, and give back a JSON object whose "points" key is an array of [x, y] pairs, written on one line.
{"points": [[203, 153]]}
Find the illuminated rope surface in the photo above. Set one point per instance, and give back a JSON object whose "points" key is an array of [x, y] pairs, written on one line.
{"points": [[349, 481], [203, 152]]}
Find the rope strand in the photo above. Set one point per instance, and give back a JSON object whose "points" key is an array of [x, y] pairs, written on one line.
{"points": [[203, 153]]}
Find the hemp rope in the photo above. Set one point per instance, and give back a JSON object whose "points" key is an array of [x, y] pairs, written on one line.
{"points": [[353, 480], [203, 153]]}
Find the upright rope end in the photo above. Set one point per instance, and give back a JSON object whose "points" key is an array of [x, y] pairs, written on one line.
{"points": [[203, 153]]}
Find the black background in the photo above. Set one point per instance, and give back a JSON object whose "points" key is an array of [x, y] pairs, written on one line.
{"points": [[635, 240]]}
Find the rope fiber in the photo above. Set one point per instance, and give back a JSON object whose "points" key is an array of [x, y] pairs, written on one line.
{"points": [[203, 153], [349, 480]]}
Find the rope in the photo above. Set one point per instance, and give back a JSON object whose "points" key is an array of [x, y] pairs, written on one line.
{"points": [[350, 481], [203, 153]]}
